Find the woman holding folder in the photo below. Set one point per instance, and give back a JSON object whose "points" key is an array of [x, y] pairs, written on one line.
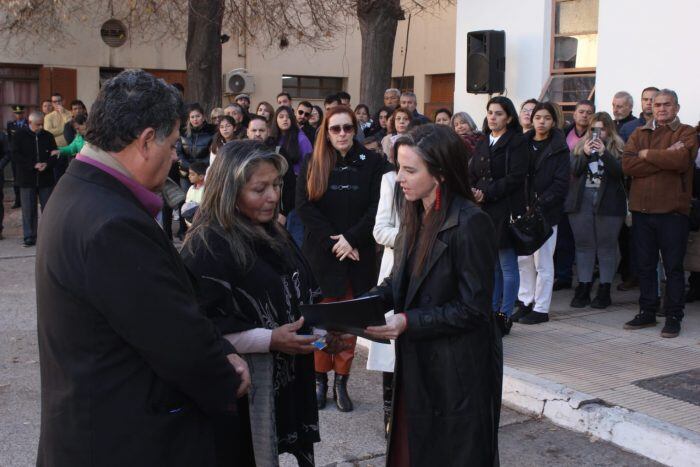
{"points": [[336, 199], [449, 367], [251, 279]]}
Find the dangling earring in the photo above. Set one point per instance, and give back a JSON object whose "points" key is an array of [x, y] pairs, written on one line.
{"points": [[438, 199]]}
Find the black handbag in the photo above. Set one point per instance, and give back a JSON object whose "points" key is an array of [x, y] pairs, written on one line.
{"points": [[531, 230]]}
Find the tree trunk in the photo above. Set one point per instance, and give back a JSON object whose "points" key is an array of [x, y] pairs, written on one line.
{"points": [[203, 53], [378, 21]]}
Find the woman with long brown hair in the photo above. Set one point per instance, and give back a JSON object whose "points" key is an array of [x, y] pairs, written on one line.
{"points": [[447, 393], [337, 197]]}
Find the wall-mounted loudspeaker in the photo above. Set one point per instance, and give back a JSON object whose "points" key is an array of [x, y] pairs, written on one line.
{"points": [[486, 62]]}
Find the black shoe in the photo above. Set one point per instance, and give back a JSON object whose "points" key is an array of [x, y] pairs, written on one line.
{"points": [[504, 323], [602, 299], [672, 327], [534, 318], [321, 389], [28, 243], [340, 393], [561, 285], [644, 319], [521, 310], [582, 296]]}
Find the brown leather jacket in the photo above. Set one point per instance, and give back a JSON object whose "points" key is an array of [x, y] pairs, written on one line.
{"points": [[663, 181]]}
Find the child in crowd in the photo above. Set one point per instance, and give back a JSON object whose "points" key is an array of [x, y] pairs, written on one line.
{"points": [[196, 174]]}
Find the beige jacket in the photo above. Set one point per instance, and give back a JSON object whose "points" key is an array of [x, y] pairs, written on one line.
{"points": [[54, 123]]}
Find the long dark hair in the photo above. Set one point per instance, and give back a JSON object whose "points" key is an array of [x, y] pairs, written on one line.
{"points": [[218, 139], [291, 137], [218, 214], [509, 108], [446, 158]]}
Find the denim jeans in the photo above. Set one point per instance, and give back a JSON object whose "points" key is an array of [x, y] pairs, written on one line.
{"points": [[667, 233], [507, 282], [30, 214], [295, 227]]}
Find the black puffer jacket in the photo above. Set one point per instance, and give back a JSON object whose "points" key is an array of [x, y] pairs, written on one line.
{"points": [[503, 187], [195, 146], [348, 207], [549, 175], [28, 149]]}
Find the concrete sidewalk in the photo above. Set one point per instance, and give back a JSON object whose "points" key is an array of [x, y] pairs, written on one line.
{"points": [[579, 370]]}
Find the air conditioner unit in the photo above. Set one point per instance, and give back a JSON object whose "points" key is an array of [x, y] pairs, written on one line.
{"points": [[239, 81]]}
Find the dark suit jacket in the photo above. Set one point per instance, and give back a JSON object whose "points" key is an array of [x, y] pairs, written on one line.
{"points": [[130, 368]]}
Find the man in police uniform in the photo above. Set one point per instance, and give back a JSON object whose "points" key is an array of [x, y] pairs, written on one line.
{"points": [[20, 121]]}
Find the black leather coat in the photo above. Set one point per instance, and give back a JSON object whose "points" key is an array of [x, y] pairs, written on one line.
{"points": [[449, 361]]}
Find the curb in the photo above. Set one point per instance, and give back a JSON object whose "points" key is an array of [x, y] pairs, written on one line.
{"points": [[632, 431]]}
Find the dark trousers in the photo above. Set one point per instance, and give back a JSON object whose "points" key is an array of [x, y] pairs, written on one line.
{"points": [[565, 251], [15, 187], [30, 215], [628, 260], [668, 234]]}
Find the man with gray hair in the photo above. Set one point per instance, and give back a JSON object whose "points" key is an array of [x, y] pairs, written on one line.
{"points": [[32, 151], [391, 98], [660, 157], [622, 106], [132, 373], [408, 101]]}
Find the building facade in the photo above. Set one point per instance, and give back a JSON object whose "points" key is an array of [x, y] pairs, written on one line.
{"points": [[96, 48], [589, 49]]}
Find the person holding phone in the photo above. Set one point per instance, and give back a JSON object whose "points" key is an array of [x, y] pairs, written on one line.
{"points": [[597, 206]]}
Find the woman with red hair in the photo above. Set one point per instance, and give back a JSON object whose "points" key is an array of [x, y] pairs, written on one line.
{"points": [[336, 199]]}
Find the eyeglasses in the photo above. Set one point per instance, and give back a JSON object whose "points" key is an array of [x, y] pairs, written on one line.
{"points": [[58, 101], [301, 112], [347, 128]]}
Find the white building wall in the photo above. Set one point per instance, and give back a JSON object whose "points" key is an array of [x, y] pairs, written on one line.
{"points": [[643, 44], [527, 25], [636, 48]]}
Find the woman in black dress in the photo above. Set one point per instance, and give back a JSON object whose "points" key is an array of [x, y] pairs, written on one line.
{"points": [[251, 279], [447, 386]]}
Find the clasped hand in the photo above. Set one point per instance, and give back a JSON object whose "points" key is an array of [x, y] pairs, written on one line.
{"points": [[342, 249]]}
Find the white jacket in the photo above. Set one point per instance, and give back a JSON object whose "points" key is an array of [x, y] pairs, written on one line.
{"points": [[386, 228]]}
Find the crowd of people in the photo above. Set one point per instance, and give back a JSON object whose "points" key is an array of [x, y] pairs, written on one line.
{"points": [[298, 204]]}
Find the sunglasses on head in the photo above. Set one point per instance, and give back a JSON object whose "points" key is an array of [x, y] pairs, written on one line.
{"points": [[301, 112], [347, 128]]}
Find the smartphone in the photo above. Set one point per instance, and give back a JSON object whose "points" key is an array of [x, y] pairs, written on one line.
{"points": [[595, 133]]}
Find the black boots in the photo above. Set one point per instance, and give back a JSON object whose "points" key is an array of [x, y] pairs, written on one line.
{"points": [[602, 299], [321, 389], [340, 393], [582, 296]]}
